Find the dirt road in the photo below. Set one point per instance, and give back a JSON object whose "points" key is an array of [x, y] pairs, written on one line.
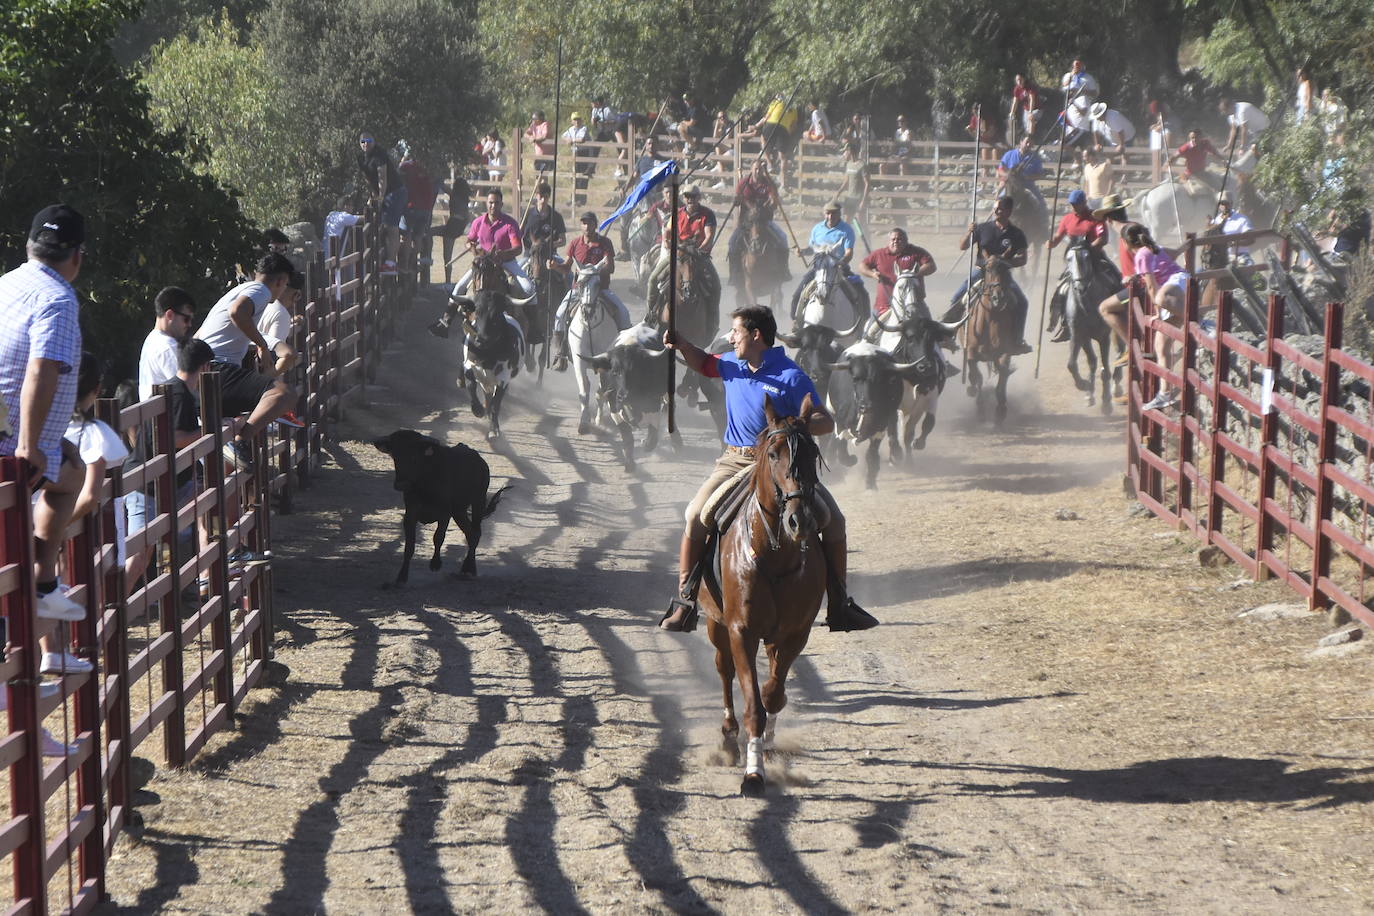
{"points": [[1056, 715]]}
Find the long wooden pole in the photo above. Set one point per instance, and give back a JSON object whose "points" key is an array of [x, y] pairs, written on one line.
{"points": [[973, 211], [1049, 261], [672, 303], [553, 203]]}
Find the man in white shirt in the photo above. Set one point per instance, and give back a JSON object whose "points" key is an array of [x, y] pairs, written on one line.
{"points": [[1233, 222], [1111, 129], [1246, 122], [1079, 87], [230, 329], [174, 310]]}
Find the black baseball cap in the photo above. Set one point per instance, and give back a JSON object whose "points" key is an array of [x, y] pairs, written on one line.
{"points": [[588, 217], [58, 225]]}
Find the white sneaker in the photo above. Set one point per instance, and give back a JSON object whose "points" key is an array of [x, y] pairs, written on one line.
{"points": [[46, 691], [1162, 401], [64, 663], [55, 605], [54, 748]]}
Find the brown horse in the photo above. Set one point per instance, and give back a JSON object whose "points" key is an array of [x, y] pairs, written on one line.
{"points": [[757, 268], [698, 305], [990, 333], [772, 578]]}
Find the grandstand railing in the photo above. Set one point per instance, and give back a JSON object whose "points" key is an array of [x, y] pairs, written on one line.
{"points": [[176, 655], [1269, 454]]}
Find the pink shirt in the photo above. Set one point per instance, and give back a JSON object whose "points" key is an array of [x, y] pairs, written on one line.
{"points": [[504, 233], [1161, 265]]}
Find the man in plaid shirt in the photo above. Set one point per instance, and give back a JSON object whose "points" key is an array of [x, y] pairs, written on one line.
{"points": [[40, 351]]}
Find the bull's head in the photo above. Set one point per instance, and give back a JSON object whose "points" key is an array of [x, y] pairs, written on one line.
{"points": [[411, 453]]}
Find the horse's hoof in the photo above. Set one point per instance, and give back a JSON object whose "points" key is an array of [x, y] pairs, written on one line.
{"points": [[752, 787], [971, 391], [479, 411], [435, 565], [583, 427], [493, 435], [1106, 407]]}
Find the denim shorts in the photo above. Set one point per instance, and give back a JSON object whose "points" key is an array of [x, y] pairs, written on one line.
{"points": [[394, 206]]}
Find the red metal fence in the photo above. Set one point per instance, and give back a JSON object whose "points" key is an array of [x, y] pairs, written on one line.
{"points": [[1269, 453], [175, 655]]}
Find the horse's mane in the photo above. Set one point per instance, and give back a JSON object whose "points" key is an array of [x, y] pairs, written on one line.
{"points": [[806, 454]]}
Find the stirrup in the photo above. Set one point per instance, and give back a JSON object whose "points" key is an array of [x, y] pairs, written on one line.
{"points": [[681, 616]]}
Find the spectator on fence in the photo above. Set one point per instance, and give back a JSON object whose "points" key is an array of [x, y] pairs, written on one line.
{"points": [[40, 351], [538, 136], [1025, 101], [984, 130], [853, 131], [1113, 308], [388, 193], [724, 151], [336, 224], [1305, 95], [1166, 283], [854, 191], [608, 125], [576, 137], [231, 329], [173, 312], [1099, 176], [1351, 233], [278, 325], [779, 128], [830, 232], [1163, 128], [692, 125], [494, 153], [818, 125], [98, 445], [1246, 123], [902, 148], [1079, 87], [1111, 129], [419, 212]]}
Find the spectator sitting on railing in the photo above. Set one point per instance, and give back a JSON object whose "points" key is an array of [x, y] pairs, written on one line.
{"points": [[720, 129], [538, 136], [40, 347], [230, 329], [1025, 100], [609, 125], [853, 131], [818, 126], [173, 312], [1166, 283], [692, 125], [278, 324], [99, 446], [902, 149], [388, 191]]}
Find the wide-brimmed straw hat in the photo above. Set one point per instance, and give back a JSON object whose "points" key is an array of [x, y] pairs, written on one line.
{"points": [[1110, 203], [1098, 110]]}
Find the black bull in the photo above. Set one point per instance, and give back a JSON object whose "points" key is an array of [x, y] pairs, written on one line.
{"points": [[440, 482]]}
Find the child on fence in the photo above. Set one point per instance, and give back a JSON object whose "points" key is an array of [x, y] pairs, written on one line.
{"points": [[1167, 284]]}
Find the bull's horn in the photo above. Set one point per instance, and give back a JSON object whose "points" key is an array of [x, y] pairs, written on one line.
{"points": [[904, 367], [526, 301], [950, 327], [604, 354], [789, 339], [838, 367], [656, 353], [893, 328]]}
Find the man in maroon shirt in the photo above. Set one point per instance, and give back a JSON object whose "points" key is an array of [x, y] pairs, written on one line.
{"points": [[884, 264], [757, 190], [589, 248]]}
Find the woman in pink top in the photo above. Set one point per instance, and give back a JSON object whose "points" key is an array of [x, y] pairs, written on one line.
{"points": [[1167, 284]]}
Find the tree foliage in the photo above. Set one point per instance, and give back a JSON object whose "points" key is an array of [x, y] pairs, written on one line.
{"points": [[75, 127], [237, 116]]}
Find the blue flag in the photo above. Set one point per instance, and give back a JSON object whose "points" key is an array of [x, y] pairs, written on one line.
{"points": [[652, 179]]}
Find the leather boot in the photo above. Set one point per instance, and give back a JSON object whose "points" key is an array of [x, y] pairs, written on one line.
{"points": [[559, 363], [440, 327], [682, 609], [842, 614]]}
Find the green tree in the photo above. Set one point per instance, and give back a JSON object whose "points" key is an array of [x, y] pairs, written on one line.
{"points": [[238, 118], [75, 127]]}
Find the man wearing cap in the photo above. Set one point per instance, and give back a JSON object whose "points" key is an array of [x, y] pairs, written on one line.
{"points": [[40, 351], [1110, 129], [696, 226], [828, 233], [756, 189], [1081, 228], [997, 237], [1023, 164], [591, 247], [388, 190]]}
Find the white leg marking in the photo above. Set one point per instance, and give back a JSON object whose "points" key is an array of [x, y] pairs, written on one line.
{"points": [[753, 757]]}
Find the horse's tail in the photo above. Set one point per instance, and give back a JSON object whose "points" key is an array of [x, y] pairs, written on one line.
{"points": [[493, 502]]}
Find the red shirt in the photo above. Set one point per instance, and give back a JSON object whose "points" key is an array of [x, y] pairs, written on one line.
{"points": [[887, 265], [1124, 255], [754, 190], [592, 251], [692, 228], [419, 186], [1075, 226], [1195, 156], [1028, 96]]}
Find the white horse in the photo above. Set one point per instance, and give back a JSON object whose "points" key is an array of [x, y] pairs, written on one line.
{"points": [[829, 299], [591, 330], [909, 332], [1171, 207]]}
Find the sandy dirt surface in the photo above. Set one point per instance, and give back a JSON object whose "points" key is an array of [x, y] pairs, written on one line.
{"points": [[1056, 715]]}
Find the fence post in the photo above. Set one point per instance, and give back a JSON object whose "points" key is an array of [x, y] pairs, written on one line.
{"points": [[1324, 504], [26, 773], [81, 553], [1187, 403], [517, 171], [211, 411], [1269, 430], [173, 673], [1220, 407]]}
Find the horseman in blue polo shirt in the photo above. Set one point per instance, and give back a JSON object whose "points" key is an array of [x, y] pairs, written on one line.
{"points": [[755, 370]]}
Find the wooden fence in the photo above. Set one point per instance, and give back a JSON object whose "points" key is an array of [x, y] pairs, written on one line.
{"points": [[927, 190], [176, 655], [1269, 453]]}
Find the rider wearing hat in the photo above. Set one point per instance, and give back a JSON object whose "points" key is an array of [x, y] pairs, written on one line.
{"points": [[832, 230], [1081, 228], [755, 370], [591, 247], [1110, 128], [696, 228]]}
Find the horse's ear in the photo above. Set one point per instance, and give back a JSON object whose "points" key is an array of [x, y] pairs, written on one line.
{"points": [[768, 410]]}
